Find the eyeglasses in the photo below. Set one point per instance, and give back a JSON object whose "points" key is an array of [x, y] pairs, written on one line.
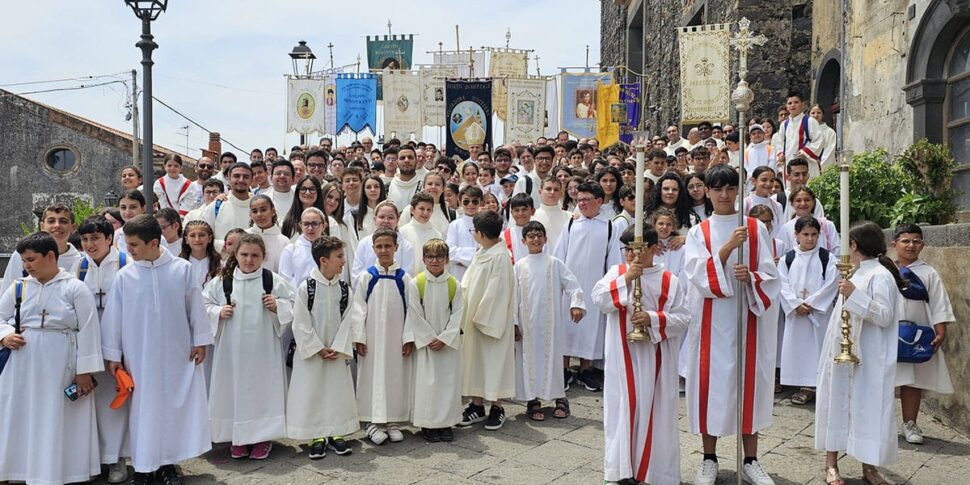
{"points": [[316, 165], [695, 187], [310, 225], [627, 249], [585, 200], [535, 235], [468, 202], [212, 192], [435, 257], [308, 190]]}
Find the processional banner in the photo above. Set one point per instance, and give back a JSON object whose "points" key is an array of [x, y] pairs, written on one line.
{"points": [[389, 52], [469, 111], [433, 92], [526, 106], [610, 114], [630, 98], [464, 62], [577, 106], [304, 112], [356, 102], [505, 63], [705, 73], [402, 104], [330, 101]]}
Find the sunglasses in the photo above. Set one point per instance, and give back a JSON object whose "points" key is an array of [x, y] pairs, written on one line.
{"points": [[467, 202]]}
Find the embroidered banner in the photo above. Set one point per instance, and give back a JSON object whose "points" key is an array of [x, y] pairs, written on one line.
{"points": [[356, 102], [402, 104], [630, 97], [504, 64], [389, 52], [469, 111], [705, 73], [526, 106], [468, 66], [433, 92], [611, 114], [304, 113], [578, 102], [330, 102]]}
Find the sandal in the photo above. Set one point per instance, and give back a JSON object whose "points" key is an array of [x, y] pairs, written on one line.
{"points": [[832, 476], [562, 409], [803, 396], [534, 409], [871, 475]]}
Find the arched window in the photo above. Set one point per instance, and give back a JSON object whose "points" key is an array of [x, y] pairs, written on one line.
{"points": [[958, 99]]}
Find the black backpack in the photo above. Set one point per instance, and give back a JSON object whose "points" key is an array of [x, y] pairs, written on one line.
{"points": [[823, 256], [267, 285], [311, 293]]}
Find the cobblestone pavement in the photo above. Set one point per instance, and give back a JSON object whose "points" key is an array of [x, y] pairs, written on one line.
{"points": [[570, 451]]}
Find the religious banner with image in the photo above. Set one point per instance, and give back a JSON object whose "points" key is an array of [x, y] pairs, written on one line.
{"points": [[433, 92], [469, 115], [610, 114], [356, 102], [330, 102], [526, 105], [304, 112], [389, 52], [402, 104], [705, 73], [505, 63], [578, 102], [468, 65], [630, 98]]}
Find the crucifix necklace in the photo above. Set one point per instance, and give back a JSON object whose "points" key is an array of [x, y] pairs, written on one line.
{"points": [[804, 293]]}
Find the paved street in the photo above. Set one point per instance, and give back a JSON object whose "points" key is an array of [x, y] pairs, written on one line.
{"points": [[570, 452]]}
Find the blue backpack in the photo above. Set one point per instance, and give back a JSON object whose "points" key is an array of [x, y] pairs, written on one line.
{"points": [[82, 272], [398, 278]]}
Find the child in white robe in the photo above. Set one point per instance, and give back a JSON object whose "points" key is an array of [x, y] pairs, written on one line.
{"points": [[550, 213], [929, 306], [461, 243], [321, 404], [808, 290], [296, 260], [854, 409], [97, 270], [434, 324], [803, 202], [58, 221], [520, 210], [247, 401], [54, 342], [162, 342], [263, 214], [764, 180], [383, 351], [386, 216], [199, 249], [640, 394], [419, 228], [542, 280]]}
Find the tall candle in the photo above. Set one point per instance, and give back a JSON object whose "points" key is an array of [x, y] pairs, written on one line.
{"points": [[844, 207], [638, 216]]}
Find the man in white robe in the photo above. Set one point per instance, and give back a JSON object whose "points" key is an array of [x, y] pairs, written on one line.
{"points": [[641, 397], [282, 176], [407, 182], [800, 136], [531, 182], [58, 221], [798, 175], [155, 321], [718, 279], [234, 211], [46, 438]]}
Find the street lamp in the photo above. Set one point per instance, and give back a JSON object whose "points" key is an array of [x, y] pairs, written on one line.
{"points": [[302, 51], [147, 11]]}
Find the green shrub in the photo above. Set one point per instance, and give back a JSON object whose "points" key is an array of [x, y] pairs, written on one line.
{"points": [[930, 198], [876, 183]]}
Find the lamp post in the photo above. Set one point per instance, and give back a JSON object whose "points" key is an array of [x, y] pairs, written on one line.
{"points": [[147, 11], [302, 52]]}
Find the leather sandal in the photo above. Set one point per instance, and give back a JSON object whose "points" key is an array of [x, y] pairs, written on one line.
{"points": [[871, 475], [534, 409], [803, 396], [832, 476]]}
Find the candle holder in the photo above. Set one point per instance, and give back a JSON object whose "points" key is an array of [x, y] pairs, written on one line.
{"points": [[638, 334], [846, 356]]}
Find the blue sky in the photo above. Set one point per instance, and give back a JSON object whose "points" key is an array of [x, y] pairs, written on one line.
{"points": [[222, 63]]}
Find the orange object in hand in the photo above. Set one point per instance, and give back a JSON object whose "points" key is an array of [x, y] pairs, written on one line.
{"points": [[124, 387]]}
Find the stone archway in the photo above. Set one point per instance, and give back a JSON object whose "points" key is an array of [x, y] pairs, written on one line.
{"points": [[827, 85]]}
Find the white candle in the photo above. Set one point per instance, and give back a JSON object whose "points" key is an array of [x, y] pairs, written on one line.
{"points": [[638, 215], [844, 207]]}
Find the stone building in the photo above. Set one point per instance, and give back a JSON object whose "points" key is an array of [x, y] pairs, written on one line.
{"points": [[47, 155], [642, 34]]}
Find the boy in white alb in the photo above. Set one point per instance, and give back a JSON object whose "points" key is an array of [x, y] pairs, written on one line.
{"points": [[461, 243], [58, 221], [521, 210], [550, 212], [640, 393]]}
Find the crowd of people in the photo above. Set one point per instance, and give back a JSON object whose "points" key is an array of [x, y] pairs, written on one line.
{"points": [[346, 289]]}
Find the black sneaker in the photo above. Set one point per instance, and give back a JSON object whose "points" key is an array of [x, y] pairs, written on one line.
{"points": [[568, 376], [496, 418], [339, 446], [141, 479], [446, 434], [472, 415], [169, 475], [431, 435], [318, 449], [589, 381]]}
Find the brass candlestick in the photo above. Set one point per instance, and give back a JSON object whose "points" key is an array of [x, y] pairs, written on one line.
{"points": [[846, 356], [638, 334]]}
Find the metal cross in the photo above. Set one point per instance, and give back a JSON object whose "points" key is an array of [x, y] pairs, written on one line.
{"points": [[43, 317], [330, 46], [508, 36], [537, 65], [744, 41], [100, 294], [804, 293]]}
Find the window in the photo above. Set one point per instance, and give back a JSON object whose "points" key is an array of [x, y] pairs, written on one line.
{"points": [[61, 160], [958, 95]]}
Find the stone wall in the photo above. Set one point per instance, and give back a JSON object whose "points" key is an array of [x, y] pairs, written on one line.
{"points": [[612, 33]]}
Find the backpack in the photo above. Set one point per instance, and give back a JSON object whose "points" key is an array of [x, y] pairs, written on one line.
{"points": [[82, 271], [217, 207], [311, 290], [823, 256], [18, 299], [376, 276], [609, 236], [422, 282], [267, 285]]}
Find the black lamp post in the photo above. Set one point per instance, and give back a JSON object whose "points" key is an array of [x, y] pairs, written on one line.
{"points": [[302, 52], [111, 199], [147, 11]]}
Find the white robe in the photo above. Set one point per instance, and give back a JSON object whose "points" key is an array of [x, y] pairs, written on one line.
{"points": [[512, 238], [365, 257], [804, 335], [487, 351], [247, 400], [712, 386], [112, 423], [828, 237], [640, 385], [153, 318], [45, 438], [69, 261], [296, 261], [439, 218], [521, 187], [931, 375], [233, 214], [417, 234], [366, 225], [400, 192], [437, 374], [461, 245], [588, 249], [174, 247], [855, 409], [777, 211], [384, 374], [795, 142], [345, 233], [172, 196], [321, 401], [542, 284], [827, 140], [275, 241], [282, 201], [762, 154]]}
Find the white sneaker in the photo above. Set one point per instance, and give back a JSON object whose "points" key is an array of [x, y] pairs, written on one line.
{"points": [[376, 434], [754, 473], [707, 473], [395, 434], [118, 473], [912, 433]]}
